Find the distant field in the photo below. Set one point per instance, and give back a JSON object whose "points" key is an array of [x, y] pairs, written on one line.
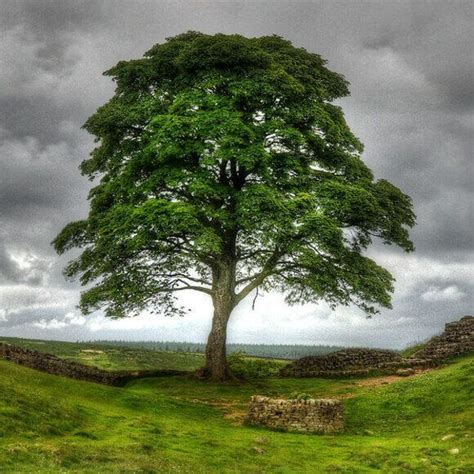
{"points": [[269, 351], [115, 357], [123, 355], [48, 424], [108, 357]]}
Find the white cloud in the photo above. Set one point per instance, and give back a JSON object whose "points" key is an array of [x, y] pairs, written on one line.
{"points": [[450, 293], [413, 272], [19, 297], [70, 319], [31, 268]]}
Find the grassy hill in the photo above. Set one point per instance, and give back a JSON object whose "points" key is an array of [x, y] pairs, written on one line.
{"points": [[178, 424]]}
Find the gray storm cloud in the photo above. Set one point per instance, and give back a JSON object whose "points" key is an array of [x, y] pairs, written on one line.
{"points": [[411, 70]]}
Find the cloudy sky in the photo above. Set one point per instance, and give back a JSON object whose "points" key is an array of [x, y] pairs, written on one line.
{"points": [[411, 67]]}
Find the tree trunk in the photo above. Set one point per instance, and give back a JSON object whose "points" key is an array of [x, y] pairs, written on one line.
{"points": [[223, 300]]}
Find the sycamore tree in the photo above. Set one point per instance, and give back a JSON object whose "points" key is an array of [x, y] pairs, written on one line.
{"points": [[223, 166]]}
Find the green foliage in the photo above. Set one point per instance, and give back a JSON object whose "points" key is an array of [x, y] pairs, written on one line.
{"points": [[180, 424], [245, 367], [225, 155]]}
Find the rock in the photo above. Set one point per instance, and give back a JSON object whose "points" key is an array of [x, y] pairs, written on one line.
{"points": [[454, 451], [258, 450], [447, 437], [405, 372]]}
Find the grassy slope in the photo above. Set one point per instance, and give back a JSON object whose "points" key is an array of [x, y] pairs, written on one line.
{"points": [[410, 350], [51, 424]]}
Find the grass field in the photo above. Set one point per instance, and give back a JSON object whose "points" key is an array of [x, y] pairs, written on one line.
{"points": [[179, 424], [113, 358]]}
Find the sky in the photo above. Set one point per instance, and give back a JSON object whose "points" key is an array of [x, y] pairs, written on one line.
{"points": [[411, 69]]}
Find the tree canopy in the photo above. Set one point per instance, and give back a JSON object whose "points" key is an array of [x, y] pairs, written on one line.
{"points": [[223, 165]]}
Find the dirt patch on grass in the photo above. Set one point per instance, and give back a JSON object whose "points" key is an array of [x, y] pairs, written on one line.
{"points": [[388, 379], [234, 412], [236, 416]]}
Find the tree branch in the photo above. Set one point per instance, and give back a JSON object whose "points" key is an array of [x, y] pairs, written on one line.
{"points": [[187, 277], [260, 277], [187, 286]]}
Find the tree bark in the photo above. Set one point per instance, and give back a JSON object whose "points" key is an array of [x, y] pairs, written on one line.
{"points": [[224, 302]]}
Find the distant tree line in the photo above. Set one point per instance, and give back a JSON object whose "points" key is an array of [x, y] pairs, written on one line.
{"points": [[275, 351]]}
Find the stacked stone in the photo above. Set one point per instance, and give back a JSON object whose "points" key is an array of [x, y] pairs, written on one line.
{"points": [[305, 416], [457, 338], [342, 363], [413, 363], [54, 365]]}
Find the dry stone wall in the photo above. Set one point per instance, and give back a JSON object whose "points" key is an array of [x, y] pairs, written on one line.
{"points": [[457, 338], [345, 362], [54, 365], [305, 416]]}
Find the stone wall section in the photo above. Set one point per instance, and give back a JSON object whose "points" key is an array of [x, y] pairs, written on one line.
{"points": [[305, 416], [458, 338], [56, 366], [348, 361]]}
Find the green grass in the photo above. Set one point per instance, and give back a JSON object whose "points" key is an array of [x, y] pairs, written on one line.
{"points": [[113, 358], [179, 424], [410, 350]]}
